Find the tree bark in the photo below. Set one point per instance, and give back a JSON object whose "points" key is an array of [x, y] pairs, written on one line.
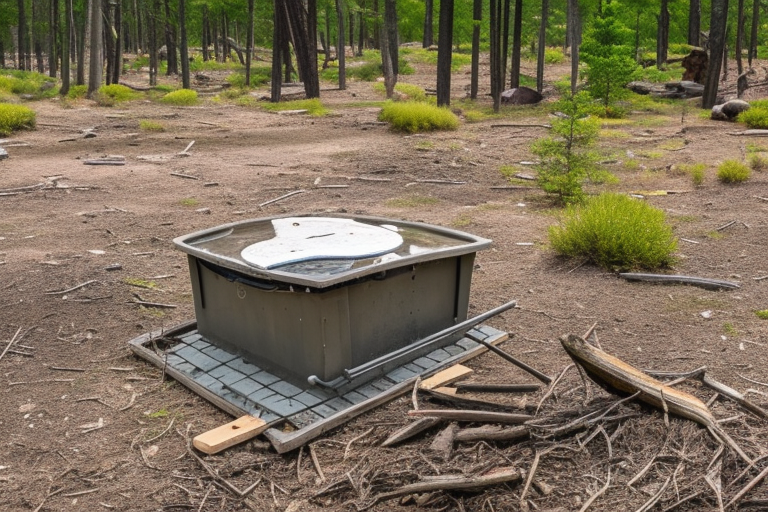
{"points": [[574, 28], [505, 43], [53, 32], [542, 46], [428, 20], [82, 23], [206, 41], [394, 36], [361, 30], [376, 25], [304, 48], [753, 33], [109, 41], [477, 17], [390, 19], [278, 26], [95, 65], [152, 16], [183, 46], [22, 36], [117, 69], [340, 51], [495, 53], [694, 22], [739, 37], [514, 74], [718, 23], [444, 53], [662, 35], [351, 28], [170, 42], [66, 41], [249, 44]]}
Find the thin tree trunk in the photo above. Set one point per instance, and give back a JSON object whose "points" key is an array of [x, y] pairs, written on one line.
{"points": [[249, 44], [351, 21], [361, 30], [340, 51], [542, 45], [477, 17], [694, 22], [22, 36], [206, 34], [495, 54], [170, 42], [376, 25], [109, 42], [753, 33], [574, 27], [81, 29], [662, 36], [66, 42], [95, 66], [119, 44], [53, 32], [739, 37], [152, 15], [393, 38], [305, 50], [718, 23], [505, 44], [277, 39], [514, 73], [387, 59], [445, 53], [183, 46], [428, 20]]}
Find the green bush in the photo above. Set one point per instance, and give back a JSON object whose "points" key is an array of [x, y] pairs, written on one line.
{"points": [[757, 162], [696, 171], [77, 92], [733, 171], [27, 82], [615, 231], [15, 117], [180, 98], [151, 126], [756, 117], [412, 117], [410, 91], [116, 92], [553, 56], [313, 107]]}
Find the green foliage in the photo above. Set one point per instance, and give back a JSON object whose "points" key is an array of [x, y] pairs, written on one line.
{"points": [[15, 117], [151, 126], [654, 74], [424, 56], [259, 76], [412, 117], [607, 52], [758, 162], [189, 201], [313, 107], [27, 82], [414, 201], [762, 314], [409, 91], [114, 93], [696, 171], [198, 64], [756, 117], [77, 92], [553, 56], [679, 48], [565, 157], [733, 171], [180, 98], [615, 231]]}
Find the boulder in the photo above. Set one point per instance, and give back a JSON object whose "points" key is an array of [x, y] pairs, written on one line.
{"points": [[521, 96], [729, 110]]}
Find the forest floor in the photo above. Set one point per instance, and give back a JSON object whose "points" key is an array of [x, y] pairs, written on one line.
{"points": [[71, 370]]}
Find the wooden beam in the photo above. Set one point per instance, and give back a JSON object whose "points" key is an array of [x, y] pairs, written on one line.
{"points": [[234, 432], [447, 376]]}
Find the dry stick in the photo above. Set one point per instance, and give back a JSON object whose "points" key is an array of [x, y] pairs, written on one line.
{"points": [[10, 343], [734, 395], [716, 486], [221, 480], [607, 480], [210, 488], [655, 498], [552, 387], [496, 388], [298, 464], [54, 493], [80, 493], [349, 444], [44, 381], [130, 403], [727, 225], [161, 434], [152, 304], [284, 196], [463, 415], [316, 462], [61, 292], [410, 430], [189, 146], [531, 472], [185, 176], [761, 278], [415, 393], [748, 487], [504, 355], [62, 369], [518, 125], [747, 469], [752, 381], [682, 500]]}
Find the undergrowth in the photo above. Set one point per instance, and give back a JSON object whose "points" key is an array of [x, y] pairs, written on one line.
{"points": [[313, 106], [180, 98], [413, 117], [733, 171], [108, 95], [615, 231], [15, 117]]}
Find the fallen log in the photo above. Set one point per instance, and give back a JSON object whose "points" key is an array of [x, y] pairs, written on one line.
{"points": [[614, 375], [701, 282], [491, 433]]}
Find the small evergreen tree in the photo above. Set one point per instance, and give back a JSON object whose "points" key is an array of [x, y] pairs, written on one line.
{"points": [[607, 51], [565, 158]]}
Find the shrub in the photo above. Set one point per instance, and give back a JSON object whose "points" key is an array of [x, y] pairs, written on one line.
{"points": [[151, 126], [758, 163], [756, 117], [180, 98], [733, 171], [615, 231], [412, 117], [696, 171], [553, 56], [412, 92], [115, 93], [15, 117], [77, 92], [313, 106], [762, 314]]}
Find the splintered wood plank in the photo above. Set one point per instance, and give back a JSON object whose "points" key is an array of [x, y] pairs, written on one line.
{"points": [[445, 390], [447, 376], [234, 432]]}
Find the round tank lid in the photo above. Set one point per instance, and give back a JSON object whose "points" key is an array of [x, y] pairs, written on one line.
{"points": [[313, 238]]}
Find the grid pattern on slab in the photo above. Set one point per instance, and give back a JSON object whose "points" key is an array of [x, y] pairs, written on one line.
{"points": [[264, 395]]}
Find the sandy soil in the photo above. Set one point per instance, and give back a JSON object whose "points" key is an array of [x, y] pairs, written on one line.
{"points": [[70, 368]]}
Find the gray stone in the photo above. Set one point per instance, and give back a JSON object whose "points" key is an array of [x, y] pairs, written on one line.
{"points": [[265, 378], [308, 399], [717, 113], [285, 407], [324, 411], [439, 355], [219, 354], [521, 96], [261, 394], [467, 344], [304, 419], [3, 154], [733, 108], [424, 363], [338, 403], [243, 366], [354, 397], [245, 386], [284, 388]]}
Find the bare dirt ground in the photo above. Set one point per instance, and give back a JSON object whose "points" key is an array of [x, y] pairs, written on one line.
{"points": [[70, 369]]}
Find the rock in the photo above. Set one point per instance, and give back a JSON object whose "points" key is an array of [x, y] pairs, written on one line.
{"points": [[521, 96], [3, 154], [692, 89], [717, 114], [729, 110]]}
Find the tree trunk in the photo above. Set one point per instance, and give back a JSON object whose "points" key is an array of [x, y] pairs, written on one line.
{"points": [[477, 17], [109, 41], [340, 51], [170, 42], [376, 25], [393, 37], [22, 37], [37, 37], [428, 20], [249, 44], [387, 64], [96, 61], [444, 53], [183, 47], [152, 16], [305, 49], [574, 27], [514, 73], [226, 51], [718, 22], [215, 40], [82, 23], [66, 41], [662, 35], [505, 44], [361, 30], [753, 33], [279, 25], [694, 22], [53, 32], [495, 54], [351, 22], [542, 46], [739, 37], [206, 40]]}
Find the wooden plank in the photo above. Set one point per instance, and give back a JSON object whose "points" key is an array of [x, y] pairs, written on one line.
{"points": [[447, 376], [445, 391], [234, 432]]}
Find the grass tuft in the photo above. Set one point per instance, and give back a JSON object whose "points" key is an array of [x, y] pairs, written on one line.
{"points": [[15, 117], [151, 126], [758, 162], [762, 314], [615, 231], [733, 171], [180, 98], [313, 107], [108, 95], [413, 117], [414, 201]]}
